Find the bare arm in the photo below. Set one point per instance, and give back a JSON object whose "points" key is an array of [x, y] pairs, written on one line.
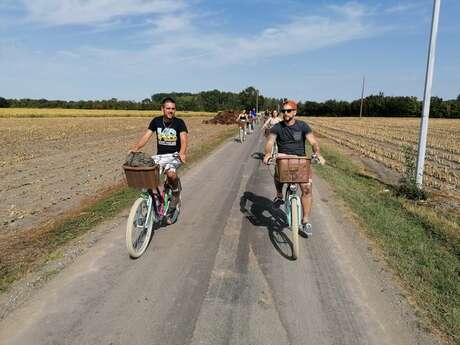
{"points": [[183, 145], [268, 147], [142, 141], [266, 124], [315, 147]]}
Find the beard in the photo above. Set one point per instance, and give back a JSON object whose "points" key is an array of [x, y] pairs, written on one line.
{"points": [[287, 117]]}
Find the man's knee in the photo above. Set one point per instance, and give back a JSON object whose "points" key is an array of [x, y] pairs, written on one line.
{"points": [[306, 188], [171, 175], [173, 180]]}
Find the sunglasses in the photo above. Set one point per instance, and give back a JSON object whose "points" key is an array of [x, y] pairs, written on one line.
{"points": [[287, 111]]}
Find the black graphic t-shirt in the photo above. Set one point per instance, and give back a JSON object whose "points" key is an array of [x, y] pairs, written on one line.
{"points": [[168, 134], [291, 139]]}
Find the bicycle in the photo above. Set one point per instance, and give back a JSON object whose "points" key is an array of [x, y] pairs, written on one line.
{"points": [[242, 125], [293, 170], [150, 209]]}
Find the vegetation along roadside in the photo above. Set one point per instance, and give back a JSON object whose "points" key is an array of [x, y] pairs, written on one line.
{"points": [[420, 245]]}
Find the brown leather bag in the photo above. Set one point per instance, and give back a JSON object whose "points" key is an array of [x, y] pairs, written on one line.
{"points": [[292, 170]]}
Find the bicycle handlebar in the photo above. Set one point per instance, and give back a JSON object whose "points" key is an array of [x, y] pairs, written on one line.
{"points": [[314, 159]]}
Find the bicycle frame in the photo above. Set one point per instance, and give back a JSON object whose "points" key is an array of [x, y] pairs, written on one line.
{"points": [[291, 193], [157, 202], [242, 132]]}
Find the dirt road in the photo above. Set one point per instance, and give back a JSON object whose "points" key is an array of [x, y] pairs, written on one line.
{"points": [[222, 275]]}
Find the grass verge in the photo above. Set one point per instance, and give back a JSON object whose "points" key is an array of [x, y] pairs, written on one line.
{"points": [[28, 252], [422, 249]]}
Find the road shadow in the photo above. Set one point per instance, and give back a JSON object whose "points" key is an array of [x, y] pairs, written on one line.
{"points": [[261, 213]]}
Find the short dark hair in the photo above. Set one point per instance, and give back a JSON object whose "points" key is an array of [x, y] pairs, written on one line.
{"points": [[167, 100]]}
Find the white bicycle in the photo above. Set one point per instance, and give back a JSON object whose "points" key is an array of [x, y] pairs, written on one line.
{"points": [[150, 209]]}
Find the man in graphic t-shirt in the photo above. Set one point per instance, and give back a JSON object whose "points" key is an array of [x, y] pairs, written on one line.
{"points": [[172, 137], [290, 136]]}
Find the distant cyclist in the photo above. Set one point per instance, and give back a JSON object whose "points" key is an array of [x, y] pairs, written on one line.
{"points": [[172, 139], [271, 121], [243, 120], [252, 118], [290, 136]]}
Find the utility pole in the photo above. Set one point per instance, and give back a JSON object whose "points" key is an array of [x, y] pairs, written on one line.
{"points": [[257, 101], [362, 99], [427, 94]]}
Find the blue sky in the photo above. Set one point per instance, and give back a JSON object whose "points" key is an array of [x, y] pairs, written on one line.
{"points": [[305, 50]]}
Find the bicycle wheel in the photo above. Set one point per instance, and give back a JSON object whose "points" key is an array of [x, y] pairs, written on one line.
{"points": [[295, 228], [138, 228]]}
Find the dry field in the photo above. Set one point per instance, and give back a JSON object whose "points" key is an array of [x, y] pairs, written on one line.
{"points": [[51, 165], [38, 112], [381, 139]]}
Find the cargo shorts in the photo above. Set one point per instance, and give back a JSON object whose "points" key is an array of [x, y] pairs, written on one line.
{"points": [[168, 161]]}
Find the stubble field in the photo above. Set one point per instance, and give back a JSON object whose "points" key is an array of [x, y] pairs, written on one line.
{"points": [[382, 140], [52, 164]]}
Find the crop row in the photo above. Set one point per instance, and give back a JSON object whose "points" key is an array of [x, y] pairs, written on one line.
{"points": [[373, 139]]}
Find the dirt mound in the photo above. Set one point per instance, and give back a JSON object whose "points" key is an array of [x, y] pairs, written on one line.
{"points": [[226, 117]]}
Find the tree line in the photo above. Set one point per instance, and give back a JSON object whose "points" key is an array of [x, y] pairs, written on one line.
{"points": [[384, 106], [215, 100], [210, 101]]}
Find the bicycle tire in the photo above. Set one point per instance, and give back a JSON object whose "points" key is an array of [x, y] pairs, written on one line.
{"points": [[295, 228], [140, 205]]}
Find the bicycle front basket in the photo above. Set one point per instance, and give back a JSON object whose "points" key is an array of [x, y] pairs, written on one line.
{"points": [[292, 170], [142, 177]]}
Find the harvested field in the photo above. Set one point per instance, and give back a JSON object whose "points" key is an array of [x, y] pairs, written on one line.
{"points": [[57, 112], [382, 139], [51, 165]]}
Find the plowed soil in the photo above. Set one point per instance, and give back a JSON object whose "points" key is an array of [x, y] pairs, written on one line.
{"points": [[51, 165]]}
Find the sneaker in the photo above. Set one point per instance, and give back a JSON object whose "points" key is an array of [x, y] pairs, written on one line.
{"points": [[277, 202], [306, 230]]}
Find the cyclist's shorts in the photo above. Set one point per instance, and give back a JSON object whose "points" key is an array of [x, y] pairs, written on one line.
{"points": [[167, 161]]}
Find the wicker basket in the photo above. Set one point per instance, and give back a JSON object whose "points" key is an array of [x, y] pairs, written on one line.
{"points": [[292, 170], [142, 177]]}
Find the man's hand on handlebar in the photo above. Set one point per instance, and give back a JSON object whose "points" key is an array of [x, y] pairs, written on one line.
{"points": [[317, 158], [267, 158]]}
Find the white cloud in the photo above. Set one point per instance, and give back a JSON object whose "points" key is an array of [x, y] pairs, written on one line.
{"points": [[298, 34], [63, 12], [180, 38], [350, 10], [403, 7]]}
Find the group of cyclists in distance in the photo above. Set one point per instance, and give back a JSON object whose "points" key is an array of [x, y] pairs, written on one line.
{"points": [[285, 135]]}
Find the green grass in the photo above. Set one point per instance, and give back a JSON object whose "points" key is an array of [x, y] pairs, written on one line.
{"points": [[33, 251], [414, 244]]}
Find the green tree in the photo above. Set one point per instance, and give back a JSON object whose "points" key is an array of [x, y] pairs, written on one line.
{"points": [[248, 98], [4, 103]]}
